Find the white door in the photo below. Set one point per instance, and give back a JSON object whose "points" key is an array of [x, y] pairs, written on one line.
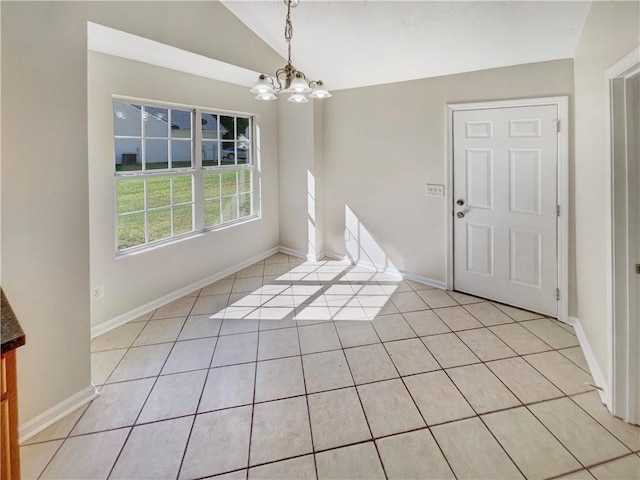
{"points": [[505, 205]]}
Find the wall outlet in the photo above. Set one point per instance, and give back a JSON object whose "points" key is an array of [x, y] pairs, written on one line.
{"points": [[434, 190], [347, 235], [97, 292]]}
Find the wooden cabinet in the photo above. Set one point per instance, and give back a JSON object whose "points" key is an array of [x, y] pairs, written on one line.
{"points": [[12, 337], [10, 454]]}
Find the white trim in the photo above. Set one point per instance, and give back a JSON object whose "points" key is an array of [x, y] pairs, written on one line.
{"points": [[391, 271], [297, 253], [620, 396], [562, 104], [598, 378], [57, 412], [175, 295]]}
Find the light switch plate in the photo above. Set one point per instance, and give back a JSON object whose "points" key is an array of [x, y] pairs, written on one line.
{"points": [[434, 190]]}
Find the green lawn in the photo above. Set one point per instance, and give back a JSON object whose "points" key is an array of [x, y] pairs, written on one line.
{"points": [[227, 197]]}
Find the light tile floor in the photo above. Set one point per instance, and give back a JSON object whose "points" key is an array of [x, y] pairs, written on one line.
{"points": [[294, 369]]}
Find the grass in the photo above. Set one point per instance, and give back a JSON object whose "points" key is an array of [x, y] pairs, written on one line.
{"points": [[227, 198]]}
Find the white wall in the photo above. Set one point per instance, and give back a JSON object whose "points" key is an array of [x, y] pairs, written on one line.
{"points": [[384, 143], [300, 133], [45, 194], [134, 280], [611, 31]]}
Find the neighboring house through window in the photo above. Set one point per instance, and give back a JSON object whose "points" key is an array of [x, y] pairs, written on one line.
{"points": [[179, 171]]}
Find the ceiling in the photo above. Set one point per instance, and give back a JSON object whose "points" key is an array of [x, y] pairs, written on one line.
{"points": [[351, 44]]}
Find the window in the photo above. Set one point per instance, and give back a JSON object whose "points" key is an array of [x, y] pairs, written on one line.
{"points": [[179, 171]]}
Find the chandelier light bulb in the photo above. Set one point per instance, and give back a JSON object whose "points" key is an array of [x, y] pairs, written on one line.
{"points": [[320, 91], [298, 98], [299, 85], [266, 96]]}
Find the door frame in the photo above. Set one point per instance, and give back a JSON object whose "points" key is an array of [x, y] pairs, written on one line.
{"points": [[623, 343], [562, 229]]}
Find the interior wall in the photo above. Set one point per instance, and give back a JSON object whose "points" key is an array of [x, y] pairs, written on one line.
{"points": [[136, 279], [300, 153], [611, 31], [383, 144], [45, 177]]}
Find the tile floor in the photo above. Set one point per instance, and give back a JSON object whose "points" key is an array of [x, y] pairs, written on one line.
{"points": [[293, 369]]}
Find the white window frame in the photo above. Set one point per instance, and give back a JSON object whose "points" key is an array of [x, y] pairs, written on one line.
{"points": [[197, 171]]}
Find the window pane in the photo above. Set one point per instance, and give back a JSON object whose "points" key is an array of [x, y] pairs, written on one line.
{"points": [[229, 208], [229, 183], [245, 205], [211, 185], [228, 127], [182, 190], [209, 126], [156, 122], [180, 124], [127, 120], [243, 155], [156, 154], [128, 154], [180, 153], [244, 132], [130, 230], [211, 212], [158, 192], [182, 219], [228, 153], [244, 181], [209, 154], [130, 195], [159, 224]]}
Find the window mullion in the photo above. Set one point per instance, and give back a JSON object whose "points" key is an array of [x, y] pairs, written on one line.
{"points": [[198, 187]]}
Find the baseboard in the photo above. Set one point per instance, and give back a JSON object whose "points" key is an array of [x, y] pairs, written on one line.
{"points": [[390, 270], [300, 254], [599, 379], [175, 295], [57, 412]]}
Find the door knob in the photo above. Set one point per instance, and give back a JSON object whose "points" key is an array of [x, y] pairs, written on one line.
{"points": [[460, 202], [460, 215]]}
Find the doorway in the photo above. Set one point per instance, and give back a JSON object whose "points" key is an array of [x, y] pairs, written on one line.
{"points": [[623, 95], [507, 202]]}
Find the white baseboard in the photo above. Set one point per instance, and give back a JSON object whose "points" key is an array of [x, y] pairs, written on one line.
{"points": [[596, 372], [391, 271], [57, 412], [300, 254], [170, 297]]}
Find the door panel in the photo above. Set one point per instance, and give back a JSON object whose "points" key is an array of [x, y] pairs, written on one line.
{"points": [[505, 174]]}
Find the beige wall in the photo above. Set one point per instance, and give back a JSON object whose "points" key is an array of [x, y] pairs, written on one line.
{"points": [[134, 280], [301, 189], [45, 194], [381, 176], [611, 31]]}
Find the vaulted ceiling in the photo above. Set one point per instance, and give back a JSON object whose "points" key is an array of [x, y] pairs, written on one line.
{"points": [[357, 43]]}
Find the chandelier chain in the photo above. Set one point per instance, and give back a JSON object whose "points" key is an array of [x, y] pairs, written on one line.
{"points": [[288, 30]]}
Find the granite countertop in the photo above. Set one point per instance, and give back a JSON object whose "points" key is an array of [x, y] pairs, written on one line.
{"points": [[12, 334]]}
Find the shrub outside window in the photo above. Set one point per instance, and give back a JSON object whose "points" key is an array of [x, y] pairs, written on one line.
{"points": [[179, 171]]}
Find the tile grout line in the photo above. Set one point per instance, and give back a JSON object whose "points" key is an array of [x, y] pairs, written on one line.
{"points": [[343, 350], [195, 413]]}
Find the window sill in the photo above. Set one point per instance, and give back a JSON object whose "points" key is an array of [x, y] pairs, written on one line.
{"points": [[135, 251]]}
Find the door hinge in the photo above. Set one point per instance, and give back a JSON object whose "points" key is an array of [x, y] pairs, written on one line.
{"points": [[638, 268], [557, 125], [557, 294], [557, 210]]}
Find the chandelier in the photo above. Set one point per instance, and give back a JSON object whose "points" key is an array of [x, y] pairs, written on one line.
{"points": [[288, 79]]}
